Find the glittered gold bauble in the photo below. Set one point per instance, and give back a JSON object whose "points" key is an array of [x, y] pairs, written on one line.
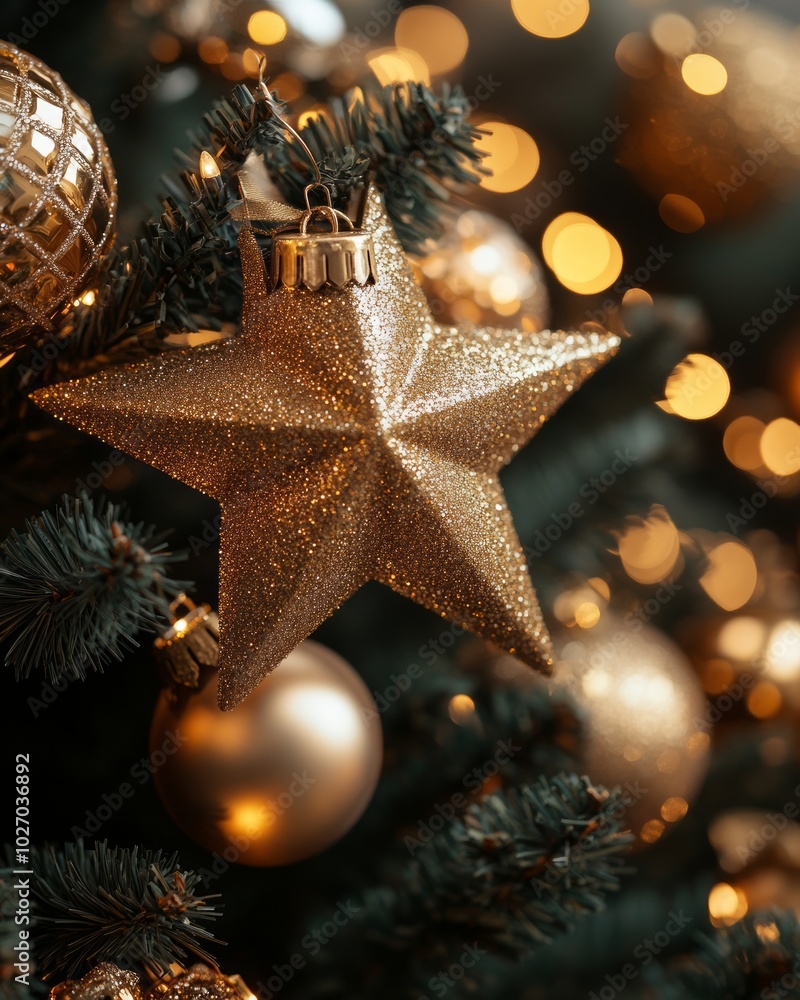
{"points": [[58, 195], [283, 776], [714, 129], [646, 722], [480, 271], [104, 982], [348, 438], [201, 983], [108, 982]]}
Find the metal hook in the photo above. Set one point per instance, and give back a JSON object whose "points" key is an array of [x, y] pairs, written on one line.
{"points": [[274, 106]]}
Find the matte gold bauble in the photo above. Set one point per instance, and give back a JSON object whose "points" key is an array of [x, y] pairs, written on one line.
{"points": [[58, 195], [646, 725], [480, 271], [714, 128], [281, 777]]}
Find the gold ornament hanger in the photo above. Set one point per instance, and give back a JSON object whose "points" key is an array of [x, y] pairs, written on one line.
{"points": [[305, 255]]}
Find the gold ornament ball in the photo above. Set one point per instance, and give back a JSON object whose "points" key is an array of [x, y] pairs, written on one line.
{"points": [[104, 982], [201, 983], [58, 195], [714, 129], [645, 720], [480, 271], [282, 776]]}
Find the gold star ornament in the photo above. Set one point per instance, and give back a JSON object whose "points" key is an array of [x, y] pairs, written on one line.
{"points": [[348, 438]]}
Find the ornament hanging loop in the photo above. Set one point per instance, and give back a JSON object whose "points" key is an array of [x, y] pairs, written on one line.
{"points": [[311, 187], [304, 259], [332, 215]]}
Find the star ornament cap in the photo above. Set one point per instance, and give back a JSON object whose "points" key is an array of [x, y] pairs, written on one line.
{"points": [[348, 438]]}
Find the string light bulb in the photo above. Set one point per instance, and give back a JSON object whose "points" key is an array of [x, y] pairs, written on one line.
{"points": [[208, 165]]}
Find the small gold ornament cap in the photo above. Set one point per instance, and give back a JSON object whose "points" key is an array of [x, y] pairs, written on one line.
{"points": [[310, 258], [189, 645]]}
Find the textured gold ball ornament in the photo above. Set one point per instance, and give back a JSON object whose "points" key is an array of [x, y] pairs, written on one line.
{"points": [[58, 195], [283, 776], [104, 982], [480, 271], [348, 438], [645, 720], [108, 982], [201, 983], [714, 128]]}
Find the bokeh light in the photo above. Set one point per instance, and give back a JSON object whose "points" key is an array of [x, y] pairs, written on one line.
{"points": [[396, 65], [742, 637], [674, 809], [266, 27], [697, 389], [511, 155], [650, 547], [681, 213], [731, 576], [673, 33], [780, 446], [764, 700], [551, 18], [436, 34], [704, 74], [635, 56], [742, 443], [726, 904], [461, 708], [782, 655], [583, 255]]}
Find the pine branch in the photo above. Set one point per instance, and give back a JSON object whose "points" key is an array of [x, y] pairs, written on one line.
{"points": [[184, 275], [77, 586], [132, 907], [756, 957], [523, 864], [520, 868], [413, 143], [431, 755]]}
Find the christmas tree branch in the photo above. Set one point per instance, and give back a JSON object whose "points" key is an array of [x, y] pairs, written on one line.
{"points": [[132, 907], [518, 869], [755, 957], [542, 730], [76, 587], [183, 274]]}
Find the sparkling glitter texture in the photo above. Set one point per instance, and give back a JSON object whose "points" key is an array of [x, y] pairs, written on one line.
{"points": [[58, 195], [347, 437]]}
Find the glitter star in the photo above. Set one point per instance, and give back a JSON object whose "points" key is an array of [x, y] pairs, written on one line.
{"points": [[348, 438]]}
